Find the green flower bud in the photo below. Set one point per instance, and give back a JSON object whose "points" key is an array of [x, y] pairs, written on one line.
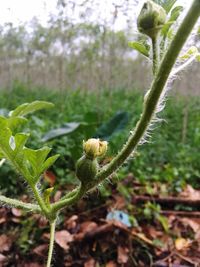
{"points": [[86, 169], [151, 19], [87, 166]]}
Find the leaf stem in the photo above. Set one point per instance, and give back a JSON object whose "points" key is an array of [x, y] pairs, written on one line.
{"points": [[78, 193], [40, 201], [19, 204], [51, 243]]}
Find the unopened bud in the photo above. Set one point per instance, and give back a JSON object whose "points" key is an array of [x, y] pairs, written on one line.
{"points": [[87, 166], [151, 18], [94, 148], [86, 169]]}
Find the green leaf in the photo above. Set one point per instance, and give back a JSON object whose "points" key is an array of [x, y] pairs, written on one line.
{"points": [[38, 162], [5, 135], [14, 122], [36, 158], [114, 125], [69, 128], [11, 149], [174, 16], [49, 162], [28, 162], [167, 5], [20, 140], [28, 108], [3, 122], [140, 47]]}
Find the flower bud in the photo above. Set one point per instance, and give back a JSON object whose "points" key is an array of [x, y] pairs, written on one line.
{"points": [[151, 19], [87, 166], [94, 148], [86, 169]]}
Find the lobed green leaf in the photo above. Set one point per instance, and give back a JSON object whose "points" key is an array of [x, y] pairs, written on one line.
{"points": [[28, 108]]}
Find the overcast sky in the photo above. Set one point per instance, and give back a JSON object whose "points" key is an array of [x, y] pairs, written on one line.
{"points": [[20, 11]]}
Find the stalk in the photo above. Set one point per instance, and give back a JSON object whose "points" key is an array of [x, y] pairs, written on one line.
{"points": [[51, 243], [155, 54], [20, 204]]}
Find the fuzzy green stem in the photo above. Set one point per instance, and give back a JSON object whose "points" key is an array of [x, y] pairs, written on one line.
{"points": [[155, 54], [51, 243], [156, 89], [78, 193], [19, 204], [40, 201]]}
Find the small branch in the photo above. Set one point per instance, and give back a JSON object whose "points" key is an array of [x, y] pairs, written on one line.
{"points": [[19, 204], [51, 244], [77, 194]]}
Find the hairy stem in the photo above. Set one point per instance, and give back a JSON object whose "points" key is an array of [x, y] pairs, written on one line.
{"points": [[78, 193], [19, 204], [155, 54], [51, 243], [40, 201]]}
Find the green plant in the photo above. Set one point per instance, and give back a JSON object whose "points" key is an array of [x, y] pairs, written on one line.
{"points": [[30, 163]]}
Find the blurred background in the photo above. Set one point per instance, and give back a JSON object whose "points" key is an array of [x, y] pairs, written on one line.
{"points": [[76, 54]]}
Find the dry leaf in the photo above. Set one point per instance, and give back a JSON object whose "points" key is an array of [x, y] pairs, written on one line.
{"points": [[5, 243], [111, 264], [41, 250], [50, 177], [122, 253], [33, 264], [71, 222], [190, 193], [191, 223], [57, 195], [85, 228], [90, 263], [88, 226], [2, 220], [16, 212], [2, 258], [182, 243], [63, 238], [119, 202]]}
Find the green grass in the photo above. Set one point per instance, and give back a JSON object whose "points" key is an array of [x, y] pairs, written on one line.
{"points": [[165, 158]]}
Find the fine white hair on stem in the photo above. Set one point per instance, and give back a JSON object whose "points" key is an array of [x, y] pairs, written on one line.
{"points": [[184, 65]]}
